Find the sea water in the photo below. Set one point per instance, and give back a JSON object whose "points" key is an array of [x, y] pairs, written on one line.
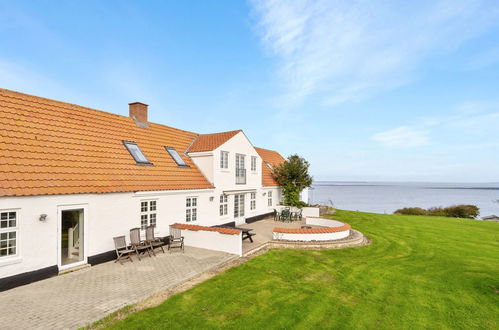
{"points": [[386, 197]]}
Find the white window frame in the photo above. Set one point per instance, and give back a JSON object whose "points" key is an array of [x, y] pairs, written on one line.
{"points": [[239, 205], [224, 205], [269, 196], [148, 213], [191, 209], [86, 215], [240, 161], [224, 160], [253, 201], [7, 231], [253, 163]]}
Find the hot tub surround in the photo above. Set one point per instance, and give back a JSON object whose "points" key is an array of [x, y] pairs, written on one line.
{"points": [[329, 230]]}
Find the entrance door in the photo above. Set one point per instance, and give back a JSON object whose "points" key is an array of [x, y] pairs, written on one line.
{"points": [[239, 207], [72, 237]]}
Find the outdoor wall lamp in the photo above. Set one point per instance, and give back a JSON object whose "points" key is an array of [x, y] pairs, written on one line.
{"points": [[264, 194], [43, 217], [212, 198]]}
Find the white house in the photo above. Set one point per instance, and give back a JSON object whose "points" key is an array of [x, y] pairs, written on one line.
{"points": [[72, 178]]}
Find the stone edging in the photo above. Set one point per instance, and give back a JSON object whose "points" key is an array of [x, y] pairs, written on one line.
{"points": [[355, 239]]}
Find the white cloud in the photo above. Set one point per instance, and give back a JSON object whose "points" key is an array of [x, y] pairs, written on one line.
{"points": [[347, 50], [402, 137]]}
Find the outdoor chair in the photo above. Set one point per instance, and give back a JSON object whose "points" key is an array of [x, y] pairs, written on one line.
{"points": [[153, 241], [137, 244], [176, 239], [276, 215], [298, 215], [285, 215], [123, 252]]}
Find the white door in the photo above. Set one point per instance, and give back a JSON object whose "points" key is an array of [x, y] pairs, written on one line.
{"points": [[72, 242], [239, 207]]}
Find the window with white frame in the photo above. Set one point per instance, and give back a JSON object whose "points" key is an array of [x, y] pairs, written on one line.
{"points": [[269, 195], [223, 204], [224, 159], [253, 201], [147, 214], [191, 209], [253, 163], [8, 234]]}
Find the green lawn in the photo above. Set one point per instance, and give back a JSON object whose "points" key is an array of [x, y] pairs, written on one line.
{"points": [[419, 272]]}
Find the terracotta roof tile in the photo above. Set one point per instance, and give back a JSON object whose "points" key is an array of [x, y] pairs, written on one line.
{"points": [[227, 231], [273, 158], [208, 142], [52, 147]]}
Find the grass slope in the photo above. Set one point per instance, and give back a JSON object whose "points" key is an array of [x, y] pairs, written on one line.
{"points": [[419, 272]]}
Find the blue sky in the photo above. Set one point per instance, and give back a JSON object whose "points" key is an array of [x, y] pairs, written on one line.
{"points": [[386, 90]]}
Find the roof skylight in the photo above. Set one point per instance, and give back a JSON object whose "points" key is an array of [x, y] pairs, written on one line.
{"points": [[136, 153], [176, 157]]}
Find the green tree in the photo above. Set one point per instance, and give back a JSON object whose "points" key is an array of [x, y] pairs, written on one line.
{"points": [[293, 176]]}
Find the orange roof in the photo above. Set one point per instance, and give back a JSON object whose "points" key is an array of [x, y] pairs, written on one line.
{"points": [[208, 142], [273, 158], [52, 147]]}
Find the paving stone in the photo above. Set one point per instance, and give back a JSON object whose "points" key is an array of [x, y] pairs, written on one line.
{"points": [[76, 299]]}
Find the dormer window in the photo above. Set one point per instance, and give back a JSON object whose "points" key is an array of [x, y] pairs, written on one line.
{"points": [[136, 153], [176, 157]]}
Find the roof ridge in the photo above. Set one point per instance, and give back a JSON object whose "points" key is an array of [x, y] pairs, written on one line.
{"points": [[74, 105], [224, 132], [267, 149]]}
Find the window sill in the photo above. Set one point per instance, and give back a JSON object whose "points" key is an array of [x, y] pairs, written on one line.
{"points": [[10, 261]]}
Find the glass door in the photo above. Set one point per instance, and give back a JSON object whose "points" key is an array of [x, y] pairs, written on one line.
{"points": [[72, 240], [239, 206]]}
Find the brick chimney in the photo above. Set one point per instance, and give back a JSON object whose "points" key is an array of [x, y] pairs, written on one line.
{"points": [[138, 112]]}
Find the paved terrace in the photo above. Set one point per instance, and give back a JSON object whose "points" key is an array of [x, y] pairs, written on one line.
{"points": [[263, 230], [79, 298]]}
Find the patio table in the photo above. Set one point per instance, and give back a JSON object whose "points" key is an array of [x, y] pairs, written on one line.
{"points": [[247, 233]]}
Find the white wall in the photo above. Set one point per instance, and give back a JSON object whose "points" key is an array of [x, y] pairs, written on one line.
{"points": [[224, 180], [311, 237], [107, 216], [311, 212], [304, 195], [214, 241], [204, 161]]}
